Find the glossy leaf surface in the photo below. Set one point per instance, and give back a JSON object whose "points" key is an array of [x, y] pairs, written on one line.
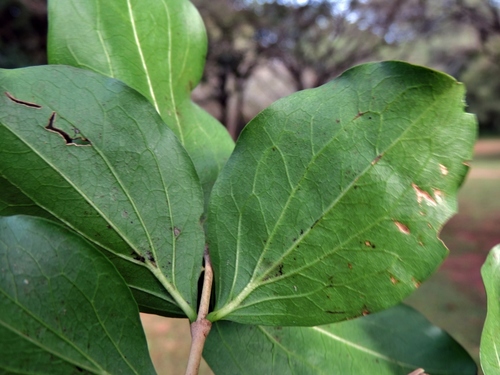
{"points": [[65, 308], [490, 338], [331, 204], [94, 154], [157, 47], [396, 341]]}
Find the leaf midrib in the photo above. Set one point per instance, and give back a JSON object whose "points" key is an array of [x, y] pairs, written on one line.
{"points": [[141, 55], [362, 348], [180, 130]]}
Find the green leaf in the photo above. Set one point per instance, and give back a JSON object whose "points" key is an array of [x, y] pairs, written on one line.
{"points": [[132, 189], [395, 341], [14, 202], [490, 338], [65, 308], [331, 204], [157, 47]]}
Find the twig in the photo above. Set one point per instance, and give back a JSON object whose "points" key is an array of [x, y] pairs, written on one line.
{"points": [[201, 327]]}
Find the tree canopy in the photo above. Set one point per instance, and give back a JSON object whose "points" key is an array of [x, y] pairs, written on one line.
{"points": [[261, 50]]}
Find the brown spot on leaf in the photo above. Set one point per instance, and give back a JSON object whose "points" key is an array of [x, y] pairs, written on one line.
{"points": [[402, 228], [177, 232], [377, 159], [416, 283], [443, 169], [438, 194], [349, 265], [423, 196], [394, 280], [316, 222], [365, 312], [359, 115], [280, 269]]}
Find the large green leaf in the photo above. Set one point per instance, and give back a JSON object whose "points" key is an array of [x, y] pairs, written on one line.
{"points": [[129, 186], [157, 47], [65, 308], [490, 339], [395, 341], [331, 204]]}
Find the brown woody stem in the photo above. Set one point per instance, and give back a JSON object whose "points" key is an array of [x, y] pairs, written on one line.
{"points": [[201, 327]]}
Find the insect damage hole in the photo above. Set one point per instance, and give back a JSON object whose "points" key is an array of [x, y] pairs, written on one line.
{"points": [[22, 102], [138, 257], [77, 141]]}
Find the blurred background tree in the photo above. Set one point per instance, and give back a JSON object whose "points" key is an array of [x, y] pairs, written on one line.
{"points": [[261, 50], [23, 31]]}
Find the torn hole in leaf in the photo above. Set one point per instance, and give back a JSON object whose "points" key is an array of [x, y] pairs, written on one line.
{"points": [[151, 258], [76, 141], [138, 257], [402, 228], [22, 102]]}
